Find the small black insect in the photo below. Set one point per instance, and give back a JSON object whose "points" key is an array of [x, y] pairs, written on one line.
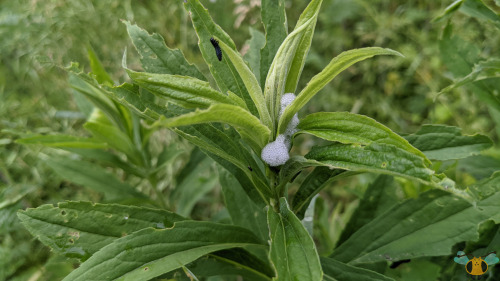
{"points": [[250, 168], [218, 51]]}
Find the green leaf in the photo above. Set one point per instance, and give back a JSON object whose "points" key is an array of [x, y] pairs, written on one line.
{"points": [[156, 57], [376, 158], [243, 211], [481, 71], [335, 270], [439, 142], [249, 126], [98, 70], [299, 60], [91, 176], [115, 138], [224, 73], [274, 19], [459, 56], [148, 253], [256, 43], [477, 9], [10, 195], [378, 198], [448, 11], [292, 252], [336, 66], [408, 231], [108, 158], [318, 179], [230, 263], [197, 183], [347, 128], [184, 91], [79, 229], [251, 83], [62, 141], [132, 98], [228, 152], [287, 55], [90, 88]]}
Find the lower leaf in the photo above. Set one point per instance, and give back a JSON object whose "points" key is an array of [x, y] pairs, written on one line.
{"points": [[293, 252], [149, 253]]}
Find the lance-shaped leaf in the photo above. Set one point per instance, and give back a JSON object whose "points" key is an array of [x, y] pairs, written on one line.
{"points": [[293, 252], [232, 262], [228, 152], [90, 88], [250, 82], [287, 54], [317, 180], [79, 229], [256, 43], [275, 23], [91, 176], [150, 252], [224, 73], [299, 60], [483, 70], [243, 211], [407, 230], [336, 66], [376, 158], [380, 196], [345, 127], [338, 271], [439, 142], [156, 57], [62, 141], [115, 138], [184, 91], [249, 126], [130, 96]]}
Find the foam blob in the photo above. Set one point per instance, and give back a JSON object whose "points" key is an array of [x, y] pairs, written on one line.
{"points": [[286, 100], [276, 153], [292, 125]]}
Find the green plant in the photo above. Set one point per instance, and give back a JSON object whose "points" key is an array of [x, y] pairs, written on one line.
{"points": [[255, 102]]}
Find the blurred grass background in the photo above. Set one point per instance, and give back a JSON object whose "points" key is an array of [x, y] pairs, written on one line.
{"points": [[38, 36]]}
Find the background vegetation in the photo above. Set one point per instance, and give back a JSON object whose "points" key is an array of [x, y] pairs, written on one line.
{"points": [[37, 37]]}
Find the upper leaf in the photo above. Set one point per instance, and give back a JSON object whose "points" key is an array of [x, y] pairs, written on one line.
{"points": [[274, 19], [287, 55], [247, 125], [439, 142], [156, 57], [184, 91], [150, 252], [299, 60], [250, 82], [337, 65], [377, 158], [345, 127], [224, 73], [293, 252]]}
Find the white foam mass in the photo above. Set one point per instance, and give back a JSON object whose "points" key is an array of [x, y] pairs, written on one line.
{"points": [[276, 153], [286, 100]]}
